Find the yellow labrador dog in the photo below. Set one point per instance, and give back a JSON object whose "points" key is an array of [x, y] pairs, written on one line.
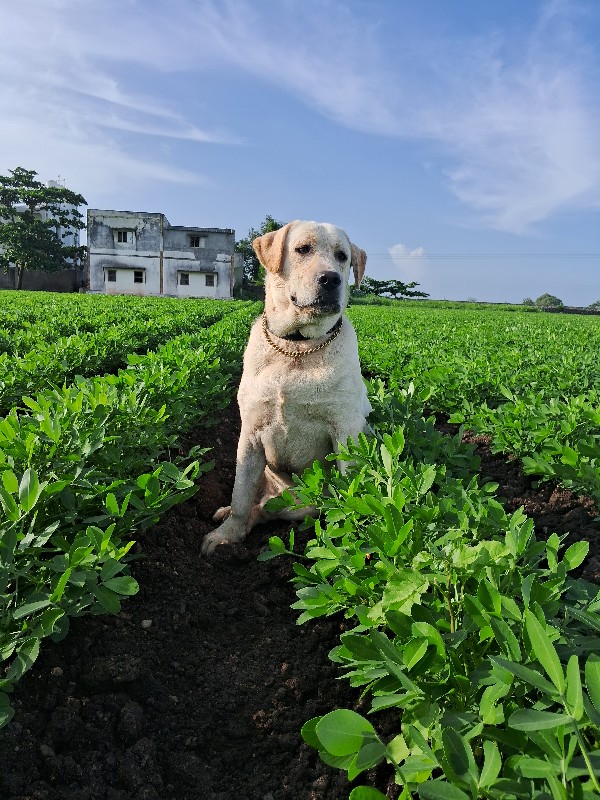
{"points": [[301, 391]]}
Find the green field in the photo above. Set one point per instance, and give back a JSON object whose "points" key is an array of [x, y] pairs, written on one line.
{"points": [[456, 615]]}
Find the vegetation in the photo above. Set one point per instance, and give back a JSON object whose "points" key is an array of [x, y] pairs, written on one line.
{"points": [[85, 467], [31, 218], [470, 634], [549, 301], [253, 271], [388, 288]]}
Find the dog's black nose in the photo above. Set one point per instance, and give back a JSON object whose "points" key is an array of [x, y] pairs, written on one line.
{"points": [[329, 280]]}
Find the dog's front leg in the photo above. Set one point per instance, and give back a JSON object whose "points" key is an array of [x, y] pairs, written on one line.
{"points": [[251, 464], [341, 434]]}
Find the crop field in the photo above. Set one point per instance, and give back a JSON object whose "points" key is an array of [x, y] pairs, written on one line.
{"points": [[434, 634]]}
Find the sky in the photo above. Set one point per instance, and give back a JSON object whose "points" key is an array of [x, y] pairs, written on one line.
{"points": [[457, 143]]}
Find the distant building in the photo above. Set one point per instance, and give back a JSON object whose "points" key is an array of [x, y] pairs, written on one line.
{"points": [[134, 252]]}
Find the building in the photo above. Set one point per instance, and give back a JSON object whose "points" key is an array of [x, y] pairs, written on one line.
{"points": [[134, 252]]}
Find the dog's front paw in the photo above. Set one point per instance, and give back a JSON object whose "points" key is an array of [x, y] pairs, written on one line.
{"points": [[230, 531]]}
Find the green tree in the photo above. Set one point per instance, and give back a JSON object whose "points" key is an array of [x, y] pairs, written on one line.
{"points": [[34, 220], [390, 288], [549, 301], [595, 305], [527, 301], [253, 272]]}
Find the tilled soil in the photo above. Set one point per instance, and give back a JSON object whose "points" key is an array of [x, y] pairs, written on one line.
{"points": [[199, 688]]}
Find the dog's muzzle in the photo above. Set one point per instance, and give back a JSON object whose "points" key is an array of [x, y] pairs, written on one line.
{"points": [[327, 299]]}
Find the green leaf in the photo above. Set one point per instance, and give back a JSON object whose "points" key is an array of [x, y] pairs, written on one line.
{"points": [[57, 594], [531, 720], [343, 732], [10, 481], [575, 555], [492, 764], [111, 504], [29, 489], [537, 767], [506, 638], [544, 651], [574, 694], [108, 599], [6, 712], [366, 793], [592, 680], [124, 584], [30, 608], [386, 458], [526, 674], [9, 505], [459, 756], [309, 733], [26, 655], [414, 652], [440, 790]]}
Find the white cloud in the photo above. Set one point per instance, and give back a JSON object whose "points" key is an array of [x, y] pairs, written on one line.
{"points": [[412, 264]]}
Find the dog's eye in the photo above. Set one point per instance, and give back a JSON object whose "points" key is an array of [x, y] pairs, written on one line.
{"points": [[341, 256], [304, 249]]}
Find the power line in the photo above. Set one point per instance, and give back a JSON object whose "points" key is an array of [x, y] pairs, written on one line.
{"points": [[482, 255]]}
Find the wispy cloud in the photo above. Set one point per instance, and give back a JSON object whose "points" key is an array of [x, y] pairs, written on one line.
{"points": [[64, 110], [511, 117]]}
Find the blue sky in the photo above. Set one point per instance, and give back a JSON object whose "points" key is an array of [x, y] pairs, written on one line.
{"points": [[457, 142]]}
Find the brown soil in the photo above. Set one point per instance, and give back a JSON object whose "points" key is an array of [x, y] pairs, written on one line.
{"points": [[199, 688]]}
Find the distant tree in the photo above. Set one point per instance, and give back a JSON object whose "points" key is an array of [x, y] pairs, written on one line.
{"points": [[391, 288], [32, 216], [253, 271], [549, 301], [527, 301], [595, 304]]}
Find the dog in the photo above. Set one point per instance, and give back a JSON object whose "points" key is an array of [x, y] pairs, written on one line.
{"points": [[301, 391]]}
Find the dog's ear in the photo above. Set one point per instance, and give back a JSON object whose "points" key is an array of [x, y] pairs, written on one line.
{"points": [[269, 248], [359, 261]]}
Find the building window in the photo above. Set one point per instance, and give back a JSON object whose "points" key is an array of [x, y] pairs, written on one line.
{"points": [[210, 280], [111, 275], [197, 241], [184, 279], [138, 276], [124, 237]]}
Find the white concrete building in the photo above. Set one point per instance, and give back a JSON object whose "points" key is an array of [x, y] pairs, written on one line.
{"points": [[134, 252]]}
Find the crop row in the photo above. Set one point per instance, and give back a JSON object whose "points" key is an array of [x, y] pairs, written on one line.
{"points": [[85, 466], [530, 381], [44, 358], [476, 650], [29, 323]]}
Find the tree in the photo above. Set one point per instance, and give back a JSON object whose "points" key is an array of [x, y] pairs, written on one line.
{"points": [[595, 305], [34, 220], [549, 301], [391, 288], [527, 301], [253, 272]]}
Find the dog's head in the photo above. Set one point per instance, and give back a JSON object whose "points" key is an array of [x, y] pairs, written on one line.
{"points": [[308, 265]]}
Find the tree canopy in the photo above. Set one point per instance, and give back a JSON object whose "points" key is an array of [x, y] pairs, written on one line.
{"points": [[390, 288], [253, 272], [549, 301], [34, 220]]}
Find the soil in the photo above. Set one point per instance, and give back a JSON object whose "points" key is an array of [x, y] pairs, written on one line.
{"points": [[199, 688]]}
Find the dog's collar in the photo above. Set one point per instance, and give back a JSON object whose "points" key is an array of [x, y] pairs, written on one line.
{"points": [[295, 354]]}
